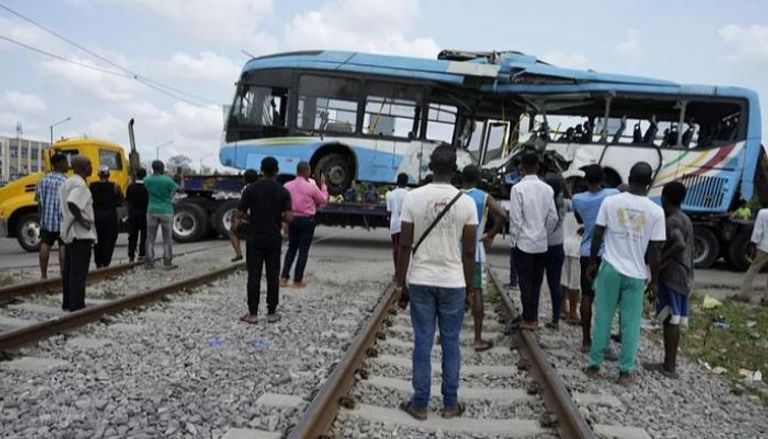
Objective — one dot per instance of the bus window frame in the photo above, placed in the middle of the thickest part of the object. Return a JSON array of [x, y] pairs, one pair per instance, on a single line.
[[420, 105], [675, 98], [295, 129]]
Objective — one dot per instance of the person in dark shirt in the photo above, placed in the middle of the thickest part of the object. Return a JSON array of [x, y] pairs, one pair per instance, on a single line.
[[250, 176], [106, 197], [675, 275], [137, 199], [266, 204]]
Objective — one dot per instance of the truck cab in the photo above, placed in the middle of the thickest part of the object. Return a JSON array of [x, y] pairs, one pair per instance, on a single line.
[[19, 216]]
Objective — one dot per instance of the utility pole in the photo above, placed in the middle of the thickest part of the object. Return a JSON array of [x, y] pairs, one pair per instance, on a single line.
[[157, 148], [68, 118]]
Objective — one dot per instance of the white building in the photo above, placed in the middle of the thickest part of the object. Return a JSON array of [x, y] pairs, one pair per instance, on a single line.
[[19, 156]]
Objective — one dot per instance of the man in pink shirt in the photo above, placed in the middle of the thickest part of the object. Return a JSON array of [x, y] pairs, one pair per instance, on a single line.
[[305, 198]]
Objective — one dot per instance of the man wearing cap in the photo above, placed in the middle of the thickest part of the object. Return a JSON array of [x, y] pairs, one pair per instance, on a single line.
[[106, 197], [47, 197]]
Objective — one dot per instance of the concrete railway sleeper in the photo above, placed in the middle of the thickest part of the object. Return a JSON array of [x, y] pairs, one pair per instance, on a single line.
[[508, 392]]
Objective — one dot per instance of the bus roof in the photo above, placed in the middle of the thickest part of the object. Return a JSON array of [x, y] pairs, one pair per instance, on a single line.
[[500, 72]]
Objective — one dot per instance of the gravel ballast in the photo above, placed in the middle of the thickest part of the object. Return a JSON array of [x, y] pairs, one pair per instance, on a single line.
[[187, 367], [698, 404]]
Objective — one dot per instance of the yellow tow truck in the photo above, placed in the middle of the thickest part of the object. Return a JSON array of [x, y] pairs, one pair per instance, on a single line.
[[19, 216]]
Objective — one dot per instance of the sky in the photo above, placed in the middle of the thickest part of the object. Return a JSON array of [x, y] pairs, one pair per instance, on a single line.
[[195, 47]]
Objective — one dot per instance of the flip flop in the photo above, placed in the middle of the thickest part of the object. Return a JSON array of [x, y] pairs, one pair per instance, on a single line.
[[407, 407], [249, 318], [455, 412], [484, 346]]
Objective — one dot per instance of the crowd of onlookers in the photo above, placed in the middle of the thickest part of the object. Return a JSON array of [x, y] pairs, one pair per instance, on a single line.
[[601, 250]]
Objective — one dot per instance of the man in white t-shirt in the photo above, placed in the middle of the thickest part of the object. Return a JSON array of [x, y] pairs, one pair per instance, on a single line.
[[634, 230], [395, 200], [442, 268]]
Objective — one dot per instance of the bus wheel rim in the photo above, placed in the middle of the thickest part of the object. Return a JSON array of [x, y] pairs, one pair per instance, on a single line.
[[336, 175]]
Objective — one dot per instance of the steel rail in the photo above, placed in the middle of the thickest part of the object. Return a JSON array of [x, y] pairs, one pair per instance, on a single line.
[[54, 283], [32, 333], [44, 286], [322, 410], [571, 424]]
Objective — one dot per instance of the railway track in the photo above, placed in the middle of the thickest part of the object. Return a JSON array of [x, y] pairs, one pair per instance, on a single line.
[[51, 285], [20, 332], [510, 390]]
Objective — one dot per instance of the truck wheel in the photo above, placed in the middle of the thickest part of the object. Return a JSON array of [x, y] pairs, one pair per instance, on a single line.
[[736, 254], [706, 247], [338, 172], [190, 222], [28, 232], [223, 216]]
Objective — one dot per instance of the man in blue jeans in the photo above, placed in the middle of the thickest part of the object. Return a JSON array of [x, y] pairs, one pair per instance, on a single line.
[[442, 269]]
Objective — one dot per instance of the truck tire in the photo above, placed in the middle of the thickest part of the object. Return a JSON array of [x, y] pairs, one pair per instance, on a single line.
[[222, 217], [338, 172], [28, 232], [190, 222], [706, 247], [736, 255]]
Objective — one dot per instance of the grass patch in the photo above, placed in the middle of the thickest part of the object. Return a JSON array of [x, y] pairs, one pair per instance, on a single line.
[[6, 280], [742, 345]]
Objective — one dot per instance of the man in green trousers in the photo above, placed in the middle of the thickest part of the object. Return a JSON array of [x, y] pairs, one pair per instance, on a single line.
[[634, 231]]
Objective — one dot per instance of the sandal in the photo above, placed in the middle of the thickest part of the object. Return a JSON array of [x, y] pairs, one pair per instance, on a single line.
[[454, 412], [419, 415], [249, 318], [483, 346]]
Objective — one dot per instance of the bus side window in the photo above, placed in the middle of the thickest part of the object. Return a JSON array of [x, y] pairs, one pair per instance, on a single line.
[[717, 123], [441, 122], [392, 110], [327, 104]]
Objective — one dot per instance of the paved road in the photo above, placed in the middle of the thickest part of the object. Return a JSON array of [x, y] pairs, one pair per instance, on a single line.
[[331, 241]]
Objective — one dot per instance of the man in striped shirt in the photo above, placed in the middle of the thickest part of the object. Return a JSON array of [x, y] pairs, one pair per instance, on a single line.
[[47, 197]]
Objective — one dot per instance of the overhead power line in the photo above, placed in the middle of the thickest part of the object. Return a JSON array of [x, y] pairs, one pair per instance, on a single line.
[[128, 73], [61, 58]]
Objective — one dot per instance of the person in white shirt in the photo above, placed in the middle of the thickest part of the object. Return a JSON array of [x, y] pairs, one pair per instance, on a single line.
[[394, 205], [77, 232], [570, 281], [760, 239], [532, 218], [634, 229], [441, 271]]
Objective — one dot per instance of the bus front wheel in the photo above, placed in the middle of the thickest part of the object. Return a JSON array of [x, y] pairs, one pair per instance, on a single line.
[[338, 172]]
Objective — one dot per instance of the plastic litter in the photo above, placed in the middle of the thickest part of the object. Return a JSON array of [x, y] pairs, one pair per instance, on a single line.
[[719, 323], [259, 343], [751, 377], [719, 370], [710, 302], [214, 342]]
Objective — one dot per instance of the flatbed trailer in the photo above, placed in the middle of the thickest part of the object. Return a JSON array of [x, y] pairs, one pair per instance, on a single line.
[[208, 203]]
